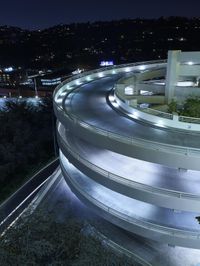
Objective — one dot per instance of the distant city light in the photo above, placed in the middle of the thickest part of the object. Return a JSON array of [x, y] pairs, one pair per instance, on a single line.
[[50, 82], [190, 63], [106, 63], [8, 69]]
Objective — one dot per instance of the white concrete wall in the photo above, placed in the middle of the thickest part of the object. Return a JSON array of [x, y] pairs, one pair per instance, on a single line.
[[181, 64]]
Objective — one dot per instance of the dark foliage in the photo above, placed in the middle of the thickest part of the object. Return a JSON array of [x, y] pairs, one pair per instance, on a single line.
[[40, 240], [190, 108], [26, 140]]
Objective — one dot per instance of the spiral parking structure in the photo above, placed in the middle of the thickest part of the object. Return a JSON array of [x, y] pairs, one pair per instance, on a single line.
[[138, 174]]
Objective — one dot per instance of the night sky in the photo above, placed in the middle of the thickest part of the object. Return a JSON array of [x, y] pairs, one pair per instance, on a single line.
[[38, 14]]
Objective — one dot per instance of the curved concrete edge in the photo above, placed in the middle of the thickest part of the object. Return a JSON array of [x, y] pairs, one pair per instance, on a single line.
[[101, 72], [181, 239], [172, 156], [137, 191], [13, 207], [50, 183], [156, 120], [12, 197]]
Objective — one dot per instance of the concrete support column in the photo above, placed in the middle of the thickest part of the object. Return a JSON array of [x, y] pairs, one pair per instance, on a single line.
[[175, 117], [172, 74]]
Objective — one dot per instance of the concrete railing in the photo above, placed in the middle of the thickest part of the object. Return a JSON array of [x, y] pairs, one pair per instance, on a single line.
[[158, 118], [190, 120], [157, 146], [172, 232], [96, 73], [163, 153], [18, 201], [179, 122], [126, 181]]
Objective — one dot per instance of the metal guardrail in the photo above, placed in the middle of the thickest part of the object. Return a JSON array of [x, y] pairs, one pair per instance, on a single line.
[[188, 119], [17, 202], [126, 181], [177, 122], [155, 112], [173, 232], [146, 109], [161, 114]]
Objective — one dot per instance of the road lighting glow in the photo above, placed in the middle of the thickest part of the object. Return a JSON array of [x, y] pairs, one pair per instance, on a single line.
[[100, 75], [88, 78], [78, 82], [111, 98], [127, 69], [115, 104], [134, 115], [58, 100], [142, 67], [160, 123], [63, 93]]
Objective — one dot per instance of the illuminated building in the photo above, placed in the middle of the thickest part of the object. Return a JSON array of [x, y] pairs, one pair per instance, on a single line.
[[11, 76]]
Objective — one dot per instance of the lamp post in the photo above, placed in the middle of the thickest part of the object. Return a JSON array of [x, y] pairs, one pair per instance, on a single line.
[[35, 85]]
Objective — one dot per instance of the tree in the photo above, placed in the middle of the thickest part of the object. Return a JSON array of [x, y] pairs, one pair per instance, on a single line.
[[26, 140], [172, 107], [38, 239], [191, 107]]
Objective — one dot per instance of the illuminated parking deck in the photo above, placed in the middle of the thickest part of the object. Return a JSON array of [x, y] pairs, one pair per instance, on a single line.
[[94, 136]]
